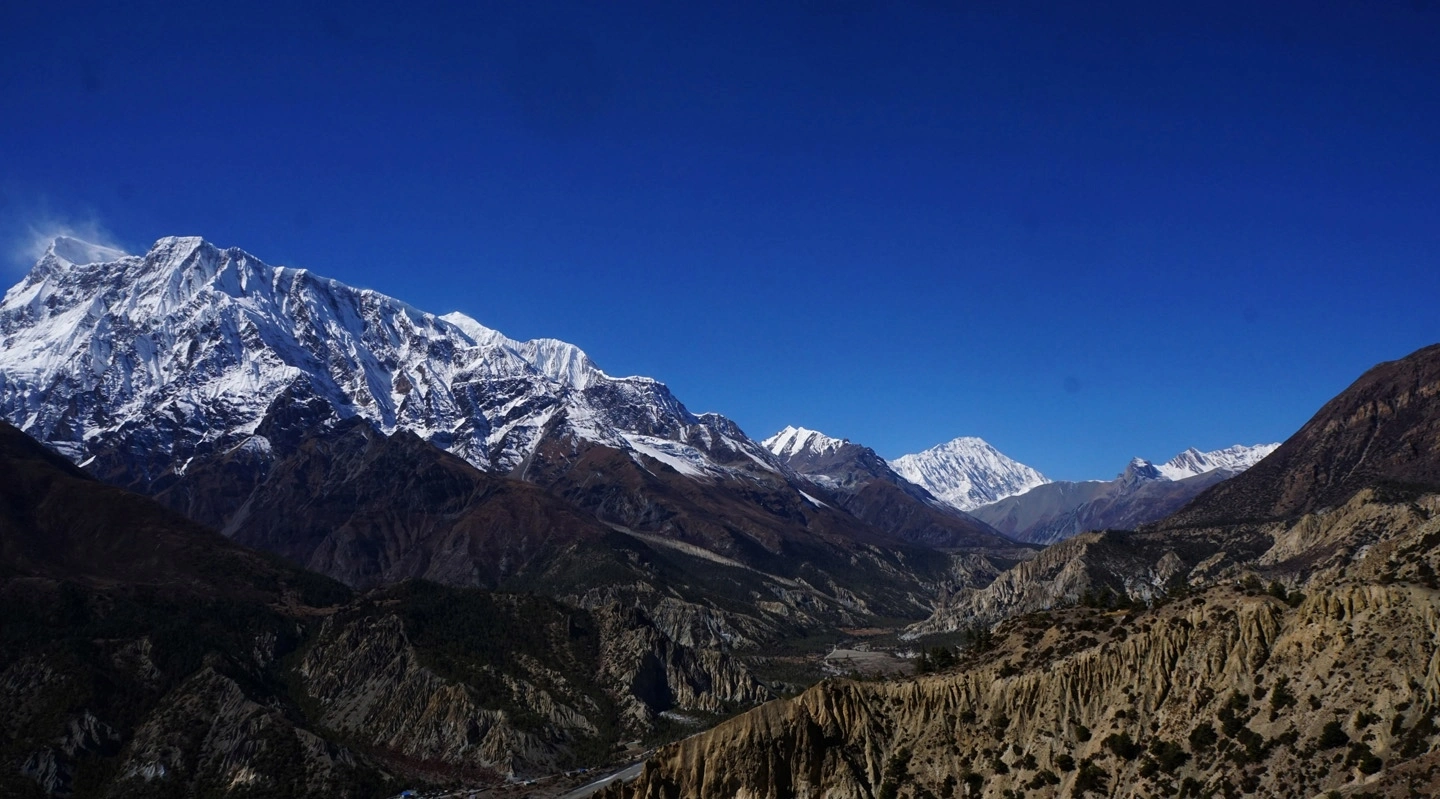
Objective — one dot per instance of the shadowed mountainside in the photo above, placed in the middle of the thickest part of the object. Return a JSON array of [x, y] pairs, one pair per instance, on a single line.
[[1384, 428], [145, 655], [1152, 663]]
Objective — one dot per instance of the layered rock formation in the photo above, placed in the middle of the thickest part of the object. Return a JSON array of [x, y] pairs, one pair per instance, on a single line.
[[1379, 434], [1157, 662], [145, 655], [1220, 694]]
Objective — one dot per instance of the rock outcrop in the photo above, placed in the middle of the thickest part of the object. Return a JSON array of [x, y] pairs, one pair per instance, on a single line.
[[145, 655], [1178, 672], [594, 678], [1220, 693]]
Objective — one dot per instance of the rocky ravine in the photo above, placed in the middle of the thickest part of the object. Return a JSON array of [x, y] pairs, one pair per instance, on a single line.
[[1223, 693], [144, 655], [368, 681]]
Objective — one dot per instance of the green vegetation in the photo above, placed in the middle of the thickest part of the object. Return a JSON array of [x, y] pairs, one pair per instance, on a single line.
[[1280, 697], [937, 658], [1091, 778], [1122, 746], [1108, 599], [1332, 736], [1203, 737], [1168, 754], [1364, 759], [897, 772]]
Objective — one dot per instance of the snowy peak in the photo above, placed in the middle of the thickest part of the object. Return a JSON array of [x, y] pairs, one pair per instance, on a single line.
[[1193, 462], [967, 473], [204, 339], [1139, 471], [75, 251], [794, 441]]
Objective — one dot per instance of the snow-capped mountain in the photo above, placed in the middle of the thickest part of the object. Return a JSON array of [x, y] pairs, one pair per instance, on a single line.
[[1236, 459], [1142, 493], [793, 441], [855, 478], [967, 473], [1139, 471], [183, 350]]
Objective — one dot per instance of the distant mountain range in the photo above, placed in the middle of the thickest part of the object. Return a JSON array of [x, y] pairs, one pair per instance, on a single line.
[[487, 559], [372, 441], [1253, 643], [977, 481], [209, 379], [1142, 493], [971, 475], [862, 483]]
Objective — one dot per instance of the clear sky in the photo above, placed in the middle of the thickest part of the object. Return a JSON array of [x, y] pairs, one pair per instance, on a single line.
[[1081, 231]]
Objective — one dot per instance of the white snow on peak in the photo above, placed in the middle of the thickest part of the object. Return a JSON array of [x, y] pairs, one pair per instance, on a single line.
[[193, 343], [75, 251], [793, 441], [1193, 462], [559, 360], [967, 473]]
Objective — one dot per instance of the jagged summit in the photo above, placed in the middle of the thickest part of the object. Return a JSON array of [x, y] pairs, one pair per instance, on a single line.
[[795, 440], [1142, 493], [967, 473], [189, 344], [1236, 458], [858, 480], [1139, 471]]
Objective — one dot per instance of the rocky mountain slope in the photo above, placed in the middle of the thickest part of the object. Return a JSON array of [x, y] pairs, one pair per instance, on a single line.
[[1238, 520], [150, 360], [279, 406], [859, 481], [1142, 493], [967, 473], [145, 655], [1383, 429], [1154, 662], [1222, 694]]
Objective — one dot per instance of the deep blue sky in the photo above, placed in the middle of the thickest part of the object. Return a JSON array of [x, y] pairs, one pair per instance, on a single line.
[[1082, 231]]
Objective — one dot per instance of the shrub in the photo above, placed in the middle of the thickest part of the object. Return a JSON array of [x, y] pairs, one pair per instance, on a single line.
[[1332, 736], [1091, 778], [1122, 746], [1203, 736], [1280, 697], [1360, 755], [1168, 754]]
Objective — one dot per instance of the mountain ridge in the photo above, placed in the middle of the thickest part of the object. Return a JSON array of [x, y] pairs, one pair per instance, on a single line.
[[215, 382], [1140, 494], [71, 329], [1234, 648], [967, 472]]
